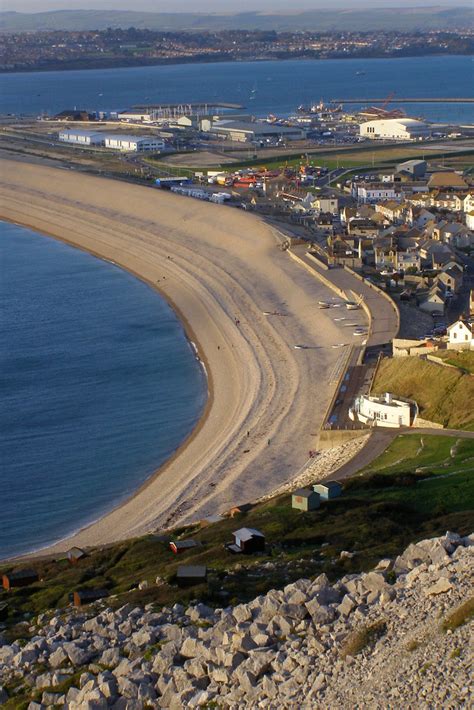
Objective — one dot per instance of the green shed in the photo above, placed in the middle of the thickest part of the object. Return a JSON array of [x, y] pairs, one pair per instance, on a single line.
[[305, 499]]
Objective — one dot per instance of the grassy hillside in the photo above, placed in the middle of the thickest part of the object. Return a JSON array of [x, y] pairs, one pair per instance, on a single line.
[[417, 489], [444, 395]]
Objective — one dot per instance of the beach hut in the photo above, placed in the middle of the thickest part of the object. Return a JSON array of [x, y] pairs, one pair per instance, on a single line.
[[189, 575], [75, 554], [328, 489], [87, 596], [179, 546], [247, 541], [305, 499], [20, 578]]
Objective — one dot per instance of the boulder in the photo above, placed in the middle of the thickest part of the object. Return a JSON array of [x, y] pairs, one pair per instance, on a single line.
[[374, 581], [242, 613], [77, 655], [320, 613], [126, 688], [110, 658], [200, 612], [442, 586], [346, 606], [52, 698], [44, 680], [191, 648], [58, 658]]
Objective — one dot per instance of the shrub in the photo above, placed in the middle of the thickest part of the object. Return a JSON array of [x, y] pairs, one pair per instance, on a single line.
[[362, 637], [459, 616]]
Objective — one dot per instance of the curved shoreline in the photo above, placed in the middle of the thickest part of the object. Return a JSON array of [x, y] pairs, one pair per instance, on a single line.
[[199, 354], [257, 384]]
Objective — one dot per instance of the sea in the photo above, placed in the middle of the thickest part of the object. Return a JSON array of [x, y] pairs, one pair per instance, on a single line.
[[264, 87], [99, 384]]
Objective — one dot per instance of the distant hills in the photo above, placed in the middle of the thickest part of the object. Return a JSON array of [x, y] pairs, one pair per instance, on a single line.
[[439, 17]]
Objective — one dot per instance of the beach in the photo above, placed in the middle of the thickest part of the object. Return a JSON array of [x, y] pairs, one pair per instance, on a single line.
[[221, 270]]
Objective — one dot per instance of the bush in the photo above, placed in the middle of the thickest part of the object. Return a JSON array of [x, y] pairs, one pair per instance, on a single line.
[[362, 637], [459, 616]]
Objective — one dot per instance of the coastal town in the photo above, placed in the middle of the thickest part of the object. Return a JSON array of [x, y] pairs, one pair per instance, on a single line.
[[402, 227], [304, 542], [48, 50]]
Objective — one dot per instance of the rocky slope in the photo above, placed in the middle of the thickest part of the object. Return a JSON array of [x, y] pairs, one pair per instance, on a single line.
[[395, 637]]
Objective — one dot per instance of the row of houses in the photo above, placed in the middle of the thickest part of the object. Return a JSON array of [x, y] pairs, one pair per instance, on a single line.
[[437, 188]]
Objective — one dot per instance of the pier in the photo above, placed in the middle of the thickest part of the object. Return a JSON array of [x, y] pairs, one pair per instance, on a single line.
[[452, 100], [203, 105]]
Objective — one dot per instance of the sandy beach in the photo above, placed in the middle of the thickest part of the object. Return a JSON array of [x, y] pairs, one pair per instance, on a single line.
[[215, 265]]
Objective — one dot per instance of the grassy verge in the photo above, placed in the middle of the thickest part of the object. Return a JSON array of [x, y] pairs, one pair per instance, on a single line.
[[375, 517], [464, 360], [443, 395]]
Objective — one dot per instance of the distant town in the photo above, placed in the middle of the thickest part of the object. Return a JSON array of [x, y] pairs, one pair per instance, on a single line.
[[53, 50]]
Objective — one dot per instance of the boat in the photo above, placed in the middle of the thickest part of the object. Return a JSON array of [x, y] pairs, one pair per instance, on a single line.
[[360, 73]]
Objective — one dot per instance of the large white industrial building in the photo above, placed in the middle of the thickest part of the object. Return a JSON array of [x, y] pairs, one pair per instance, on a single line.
[[130, 143], [406, 129], [81, 137]]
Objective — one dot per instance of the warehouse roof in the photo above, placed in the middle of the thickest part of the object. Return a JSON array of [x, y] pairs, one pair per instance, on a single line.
[[83, 134], [130, 137], [248, 127]]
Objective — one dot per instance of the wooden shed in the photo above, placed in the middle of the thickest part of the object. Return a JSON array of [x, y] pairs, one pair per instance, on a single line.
[[189, 575], [87, 596], [247, 540], [20, 578], [328, 489], [305, 499], [75, 554]]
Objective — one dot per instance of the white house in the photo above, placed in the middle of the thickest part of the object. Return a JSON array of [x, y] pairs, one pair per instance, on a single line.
[[137, 144], [405, 129], [461, 336], [470, 220], [81, 138], [369, 192], [325, 204], [468, 205], [383, 410]]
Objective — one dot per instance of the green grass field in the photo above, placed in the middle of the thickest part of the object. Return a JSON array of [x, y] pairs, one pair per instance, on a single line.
[[426, 473], [351, 157], [444, 395]]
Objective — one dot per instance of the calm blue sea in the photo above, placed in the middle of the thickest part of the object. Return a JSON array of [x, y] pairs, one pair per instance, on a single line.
[[277, 87], [99, 385]]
